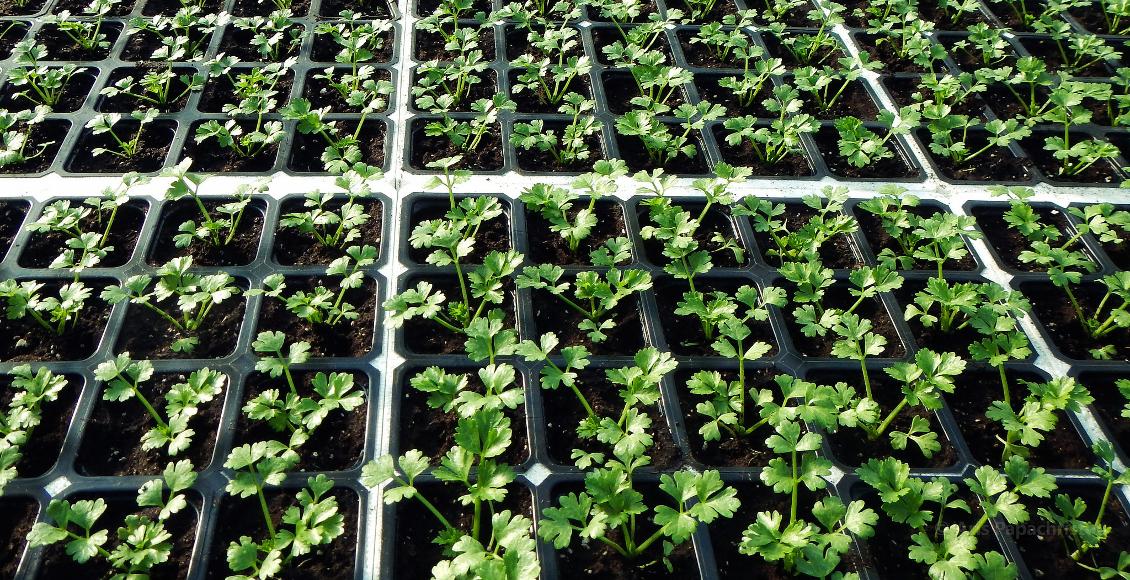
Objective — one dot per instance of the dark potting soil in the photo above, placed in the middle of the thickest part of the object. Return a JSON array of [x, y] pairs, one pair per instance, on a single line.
[[888, 55], [837, 296], [73, 96], [1007, 105], [111, 441], [971, 59], [325, 49], [237, 42], [1043, 545], [306, 153], [56, 563], [720, 9], [1053, 309], [744, 155], [321, 94], [710, 91], [854, 101], [726, 533], [996, 164], [28, 341], [604, 36], [879, 239], [729, 451], [414, 552], [347, 338], [684, 333], [518, 43], [620, 88], [934, 338], [430, 46], [824, 55], [837, 253], [853, 448], [635, 156], [426, 7], [170, 7], [699, 54], [599, 560], [432, 431], [146, 334], [1109, 404], [13, 7], [210, 157], [152, 151], [904, 88], [486, 88], [563, 412], [543, 161], [1008, 242], [12, 214], [61, 47], [335, 561], [715, 222], [293, 248], [335, 445], [42, 454], [493, 235], [487, 156], [427, 337], [536, 102], [1047, 51], [370, 8], [50, 132], [1061, 448], [253, 8], [625, 338], [239, 252], [10, 37], [17, 515], [547, 246], [140, 47], [1102, 171], [129, 104], [42, 248], [827, 140], [888, 550], [220, 91], [1118, 253], [944, 20]]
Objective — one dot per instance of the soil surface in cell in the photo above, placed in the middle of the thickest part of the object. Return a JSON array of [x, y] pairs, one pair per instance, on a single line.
[[47, 438], [548, 246], [293, 248], [422, 336], [346, 338], [145, 334], [492, 235], [42, 248], [684, 333], [237, 252], [29, 341], [111, 439]]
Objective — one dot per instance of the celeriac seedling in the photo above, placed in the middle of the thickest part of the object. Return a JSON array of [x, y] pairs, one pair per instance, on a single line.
[[321, 305], [87, 33], [314, 521], [596, 297], [555, 203], [551, 78], [16, 131], [183, 36], [272, 36], [661, 144], [782, 138], [217, 231], [24, 414], [792, 243], [1038, 414], [571, 146], [45, 84], [451, 392], [143, 542], [256, 96], [938, 238], [508, 548], [54, 314], [827, 84], [195, 297], [951, 551], [294, 413], [155, 87], [336, 228], [467, 135], [125, 148], [812, 280], [861, 147]]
